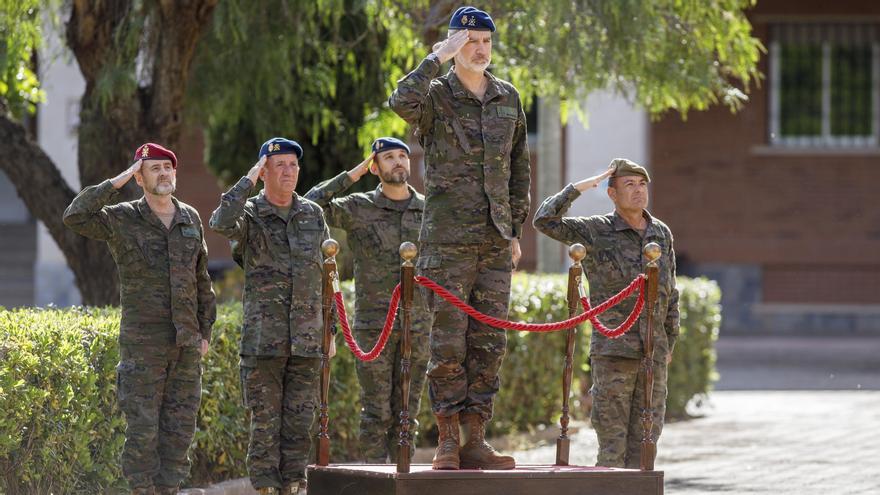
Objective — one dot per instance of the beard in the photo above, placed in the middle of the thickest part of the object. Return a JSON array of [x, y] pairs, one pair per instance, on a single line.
[[162, 188], [394, 176], [475, 66]]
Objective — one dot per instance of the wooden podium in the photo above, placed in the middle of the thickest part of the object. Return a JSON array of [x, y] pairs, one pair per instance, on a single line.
[[376, 479], [419, 479]]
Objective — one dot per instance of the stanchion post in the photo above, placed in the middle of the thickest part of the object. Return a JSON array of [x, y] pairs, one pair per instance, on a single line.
[[563, 444], [329, 283], [649, 448], [408, 252]]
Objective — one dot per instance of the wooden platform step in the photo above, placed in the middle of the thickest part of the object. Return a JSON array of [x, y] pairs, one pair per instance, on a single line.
[[375, 479]]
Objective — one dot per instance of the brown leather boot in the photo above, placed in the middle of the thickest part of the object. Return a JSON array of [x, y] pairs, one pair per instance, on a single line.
[[476, 453], [446, 456]]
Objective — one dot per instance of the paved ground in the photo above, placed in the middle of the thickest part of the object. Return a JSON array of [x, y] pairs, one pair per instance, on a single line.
[[799, 363], [792, 442], [791, 415]]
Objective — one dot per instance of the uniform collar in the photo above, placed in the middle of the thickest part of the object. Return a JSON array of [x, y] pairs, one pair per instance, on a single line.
[[382, 201], [265, 208], [181, 215], [493, 90], [620, 224]]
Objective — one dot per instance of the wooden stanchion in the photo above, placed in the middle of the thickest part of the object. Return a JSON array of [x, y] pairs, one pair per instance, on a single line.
[[329, 283], [649, 447], [563, 443], [408, 252]]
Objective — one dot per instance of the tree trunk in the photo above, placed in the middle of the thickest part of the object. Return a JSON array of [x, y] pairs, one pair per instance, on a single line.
[[113, 120], [46, 194]]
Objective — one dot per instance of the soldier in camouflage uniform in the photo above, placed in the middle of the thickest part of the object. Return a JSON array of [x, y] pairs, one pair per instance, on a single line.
[[473, 129], [276, 238], [376, 223], [614, 258], [167, 312]]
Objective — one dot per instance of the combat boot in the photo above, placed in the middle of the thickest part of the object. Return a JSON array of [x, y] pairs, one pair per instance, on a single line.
[[446, 456], [476, 453]]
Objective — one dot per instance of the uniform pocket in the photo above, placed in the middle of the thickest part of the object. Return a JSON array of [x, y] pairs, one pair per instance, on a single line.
[[247, 367], [129, 255]]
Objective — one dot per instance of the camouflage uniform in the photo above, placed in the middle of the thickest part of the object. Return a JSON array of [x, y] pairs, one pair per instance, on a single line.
[[614, 259], [477, 197], [376, 226], [167, 309], [281, 333]]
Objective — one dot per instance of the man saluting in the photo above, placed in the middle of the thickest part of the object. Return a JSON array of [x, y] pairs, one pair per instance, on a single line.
[[473, 129]]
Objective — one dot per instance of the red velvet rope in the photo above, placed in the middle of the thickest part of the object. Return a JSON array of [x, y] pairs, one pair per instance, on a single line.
[[613, 333], [589, 314], [383, 337]]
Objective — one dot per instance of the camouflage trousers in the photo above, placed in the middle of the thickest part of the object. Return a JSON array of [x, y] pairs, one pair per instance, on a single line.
[[281, 394], [381, 398], [466, 355], [618, 394], [158, 389]]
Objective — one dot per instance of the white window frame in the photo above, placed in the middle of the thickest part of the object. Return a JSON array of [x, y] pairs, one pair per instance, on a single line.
[[825, 139]]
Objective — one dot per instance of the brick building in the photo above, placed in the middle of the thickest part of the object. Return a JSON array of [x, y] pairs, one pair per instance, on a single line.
[[779, 202]]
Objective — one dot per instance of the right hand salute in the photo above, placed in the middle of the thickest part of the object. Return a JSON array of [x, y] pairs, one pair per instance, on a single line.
[[362, 168], [594, 181], [254, 173], [448, 48], [121, 179]]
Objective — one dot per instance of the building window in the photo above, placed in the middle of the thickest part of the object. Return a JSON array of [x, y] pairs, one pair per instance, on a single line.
[[825, 85]]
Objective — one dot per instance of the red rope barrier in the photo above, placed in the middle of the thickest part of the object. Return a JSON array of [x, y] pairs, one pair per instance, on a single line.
[[613, 333], [383, 337], [589, 314]]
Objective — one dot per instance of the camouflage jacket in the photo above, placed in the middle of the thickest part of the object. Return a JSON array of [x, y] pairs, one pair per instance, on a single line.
[[614, 259], [164, 287], [375, 228], [282, 263], [476, 154]]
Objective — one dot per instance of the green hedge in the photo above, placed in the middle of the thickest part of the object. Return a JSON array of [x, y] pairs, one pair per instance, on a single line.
[[61, 432]]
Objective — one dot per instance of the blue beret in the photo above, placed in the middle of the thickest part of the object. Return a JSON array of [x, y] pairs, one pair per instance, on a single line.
[[389, 143], [278, 146], [471, 18]]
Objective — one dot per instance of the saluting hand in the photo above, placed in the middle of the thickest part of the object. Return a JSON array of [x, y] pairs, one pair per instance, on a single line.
[[448, 48], [362, 168], [594, 180], [121, 179], [254, 173]]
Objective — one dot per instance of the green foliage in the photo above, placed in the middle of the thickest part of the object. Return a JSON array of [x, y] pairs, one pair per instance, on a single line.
[[662, 54], [321, 72], [692, 371], [61, 432], [20, 36], [313, 71]]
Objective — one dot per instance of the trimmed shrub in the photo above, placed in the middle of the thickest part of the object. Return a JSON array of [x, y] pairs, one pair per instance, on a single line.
[[61, 432], [692, 371]]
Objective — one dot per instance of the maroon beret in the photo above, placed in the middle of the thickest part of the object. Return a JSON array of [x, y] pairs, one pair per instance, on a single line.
[[153, 151]]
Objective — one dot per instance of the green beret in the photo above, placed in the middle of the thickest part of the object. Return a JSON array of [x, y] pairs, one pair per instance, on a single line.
[[624, 168]]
